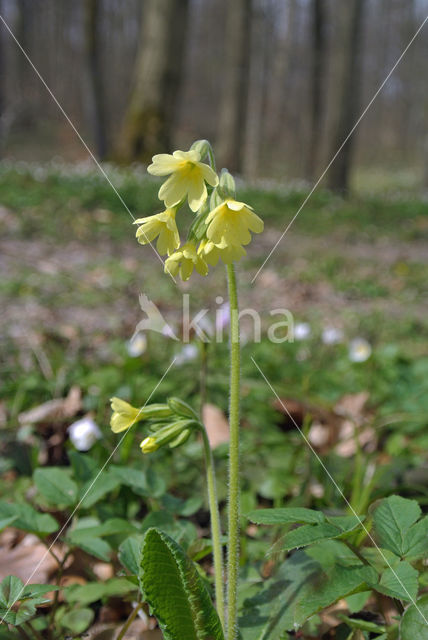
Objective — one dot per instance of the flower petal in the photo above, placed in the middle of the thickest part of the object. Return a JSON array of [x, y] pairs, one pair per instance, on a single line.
[[163, 164], [173, 190]]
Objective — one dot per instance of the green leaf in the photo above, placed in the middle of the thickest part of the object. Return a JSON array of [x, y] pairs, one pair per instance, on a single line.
[[401, 582], [5, 522], [363, 625], [28, 519], [176, 594], [417, 540], [414, 623], [300, 589], [84, 467], [307, 534], [130, 554], [56, 486], [357, 601], [16, 605], [94, 591], [286, 516], [98, 487], [392, 519], [346, 523], [96, 547], [78, 621], [112, 526]]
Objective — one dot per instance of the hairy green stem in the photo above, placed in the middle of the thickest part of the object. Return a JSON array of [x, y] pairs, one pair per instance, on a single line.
[[233, 511], [215, 527]]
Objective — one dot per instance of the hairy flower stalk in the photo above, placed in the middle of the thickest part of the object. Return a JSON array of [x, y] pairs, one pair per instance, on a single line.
[[233, 512]]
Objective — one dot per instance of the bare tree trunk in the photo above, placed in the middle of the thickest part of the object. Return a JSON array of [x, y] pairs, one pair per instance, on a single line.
[[317, 78], [2, 86], [281, 75], [256, 93], [150, 118], [340, 171], [93, 93], [235, 72]]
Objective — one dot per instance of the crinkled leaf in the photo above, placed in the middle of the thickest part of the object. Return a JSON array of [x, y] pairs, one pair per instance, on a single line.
[[176, 594], [56, 486], [414, 623], [286, 516]]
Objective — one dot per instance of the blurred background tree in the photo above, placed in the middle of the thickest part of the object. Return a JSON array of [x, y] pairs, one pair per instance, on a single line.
[[278, 83]]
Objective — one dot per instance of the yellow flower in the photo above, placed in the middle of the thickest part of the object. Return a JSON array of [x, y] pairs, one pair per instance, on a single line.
[[230, 223], [184, 261], [188, 177], [163, 226], [212, 253], [148, 445], [124, 415]]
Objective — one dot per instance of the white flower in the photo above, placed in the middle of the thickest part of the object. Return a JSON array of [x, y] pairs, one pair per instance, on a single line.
[[359, 350], [332, 335], [189, 352], [84, 433], [137, 345], [302, 330]]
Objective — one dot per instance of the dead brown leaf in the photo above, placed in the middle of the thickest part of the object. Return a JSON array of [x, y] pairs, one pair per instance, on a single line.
[[29, 560], [57, 409], [216, 425]]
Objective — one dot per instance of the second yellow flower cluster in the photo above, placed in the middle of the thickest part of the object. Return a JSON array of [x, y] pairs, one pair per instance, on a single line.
[[225, 228]]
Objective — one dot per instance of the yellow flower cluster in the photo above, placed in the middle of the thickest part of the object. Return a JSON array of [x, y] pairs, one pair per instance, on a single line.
[[171, 424], [225, 228]]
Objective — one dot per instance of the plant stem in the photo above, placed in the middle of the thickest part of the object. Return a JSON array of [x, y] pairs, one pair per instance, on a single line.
[[233, 512], [215, 527], [129, 621]]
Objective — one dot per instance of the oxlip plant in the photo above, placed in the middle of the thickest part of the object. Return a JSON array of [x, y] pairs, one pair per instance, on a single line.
[[221, 228]]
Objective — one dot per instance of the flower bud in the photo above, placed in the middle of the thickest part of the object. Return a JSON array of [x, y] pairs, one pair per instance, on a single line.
[[149, 445], [169, 434], [201, 146], [227, 187], [181, 408]]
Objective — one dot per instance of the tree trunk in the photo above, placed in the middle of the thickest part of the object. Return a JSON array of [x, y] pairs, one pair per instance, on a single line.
[[281, 76], [93, 93], [150, 117], [2, 86], [256, 93], [339, 174], [234, 72], [317, 81]]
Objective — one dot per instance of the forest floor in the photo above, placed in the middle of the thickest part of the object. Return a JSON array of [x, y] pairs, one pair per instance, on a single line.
[[72, 272]]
